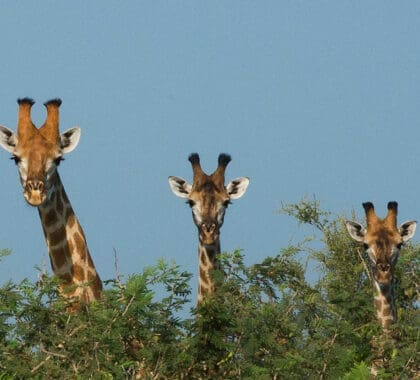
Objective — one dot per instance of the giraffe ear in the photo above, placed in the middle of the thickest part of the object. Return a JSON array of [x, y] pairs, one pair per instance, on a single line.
[[407, 230], [179, 186], [69, 139], [8, 139], [356, 231], [237, 187]]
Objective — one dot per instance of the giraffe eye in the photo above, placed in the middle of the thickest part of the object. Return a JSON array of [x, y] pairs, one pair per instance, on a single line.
[[191, 202], [57, 160], [227, 203], [16, 159], [399, 245], [365, 246]]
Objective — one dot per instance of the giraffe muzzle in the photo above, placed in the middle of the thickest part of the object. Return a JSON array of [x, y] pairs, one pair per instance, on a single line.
[[209, 233], [34, 192], [383, 273], [384, 267]]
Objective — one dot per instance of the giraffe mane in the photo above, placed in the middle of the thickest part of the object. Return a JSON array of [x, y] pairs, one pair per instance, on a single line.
[[194, 158], [224, 159], [53, 102], [26, 100], [391, 218]]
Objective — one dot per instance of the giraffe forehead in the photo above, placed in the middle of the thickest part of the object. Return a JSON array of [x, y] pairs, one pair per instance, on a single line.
[[383, 236], [37, 147], [209, 205], [209, 192], [383, 243], [36, 155]]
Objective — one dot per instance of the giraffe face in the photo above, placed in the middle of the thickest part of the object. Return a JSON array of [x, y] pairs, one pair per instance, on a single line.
[[208, 198], [36, 160], [382, 241], [37, 153], [383, 248], [208, 205]]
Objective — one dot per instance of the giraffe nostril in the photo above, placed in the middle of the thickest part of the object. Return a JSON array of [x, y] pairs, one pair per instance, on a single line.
[[34, 185], [208, 227], [384, 267]]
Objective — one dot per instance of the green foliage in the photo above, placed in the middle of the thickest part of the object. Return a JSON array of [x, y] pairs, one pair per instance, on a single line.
[[4, 253], [266, 321], [359, 372]]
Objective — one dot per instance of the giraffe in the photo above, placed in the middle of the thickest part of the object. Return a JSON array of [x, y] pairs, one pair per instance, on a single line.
[[208, 198], [382, 240], [37, 152]]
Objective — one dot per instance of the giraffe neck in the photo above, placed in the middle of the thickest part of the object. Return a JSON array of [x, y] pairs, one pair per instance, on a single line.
[[386, 314], [67, 247], [207, 255], [384, 304]]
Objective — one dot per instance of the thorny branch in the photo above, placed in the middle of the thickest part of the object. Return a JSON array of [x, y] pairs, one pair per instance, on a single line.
[[331, 344]]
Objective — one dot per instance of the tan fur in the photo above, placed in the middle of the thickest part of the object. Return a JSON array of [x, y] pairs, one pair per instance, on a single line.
[[68, 250], [69, 255]]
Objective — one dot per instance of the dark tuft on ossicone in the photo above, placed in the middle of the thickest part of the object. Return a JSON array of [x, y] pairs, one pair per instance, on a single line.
[[224, 159], [194, 158], [368, 206], [53, 102], [29, 101], [392, 205]]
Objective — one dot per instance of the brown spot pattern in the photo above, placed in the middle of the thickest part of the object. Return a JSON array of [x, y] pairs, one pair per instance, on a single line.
[[71, 219], [79, 241], [203, 259], [70, 245], [57, 236], [78, 272], [90, 262], [59, 256], [66, 278], [386, 311], [59, 204], [204, 277], [50, 218]]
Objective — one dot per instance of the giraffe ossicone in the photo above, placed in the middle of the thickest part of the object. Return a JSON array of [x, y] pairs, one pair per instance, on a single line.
[[37, 152], [208, 197]]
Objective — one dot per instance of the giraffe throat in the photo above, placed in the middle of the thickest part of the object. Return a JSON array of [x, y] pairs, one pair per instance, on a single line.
[[208, 262], [384, 304], [69, 255]]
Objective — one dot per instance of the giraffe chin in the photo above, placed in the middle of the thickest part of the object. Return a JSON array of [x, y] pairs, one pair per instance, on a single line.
[[383, 281], [35, 198], [206, 241]]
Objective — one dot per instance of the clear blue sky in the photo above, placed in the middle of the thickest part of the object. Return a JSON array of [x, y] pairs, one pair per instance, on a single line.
[[309, 98]]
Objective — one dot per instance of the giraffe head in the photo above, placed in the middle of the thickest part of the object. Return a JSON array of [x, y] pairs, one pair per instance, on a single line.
[[382, 240], [38, 151], [208, 196]]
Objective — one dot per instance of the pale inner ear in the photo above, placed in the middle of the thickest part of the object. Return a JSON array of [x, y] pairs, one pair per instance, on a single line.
[[356, 231], [407, 230], [8, 139], [179, 186], [69, 139], [237, 187]]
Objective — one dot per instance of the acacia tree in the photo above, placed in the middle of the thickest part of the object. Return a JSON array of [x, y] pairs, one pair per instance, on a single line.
[[266, 320], [346, 287]]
